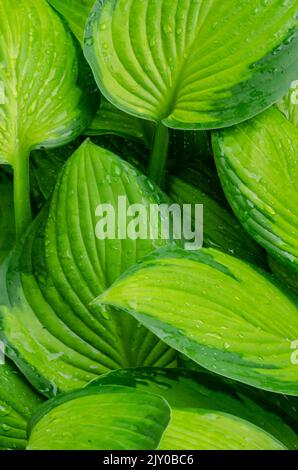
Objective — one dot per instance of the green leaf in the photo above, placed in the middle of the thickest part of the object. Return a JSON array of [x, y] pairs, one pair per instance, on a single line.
[[289, 104], [211, 430], [189, 146], [76, 13], [43, 104], [55, 336], [201, 173], [289, 107], [289, 278], [217, 310], [177, 61], [182, 388], [110, 120], [53, 111], [258, 167], [17, 403], [109, 418], [7, 225], [283, 406], [46, 165], [221, 228]]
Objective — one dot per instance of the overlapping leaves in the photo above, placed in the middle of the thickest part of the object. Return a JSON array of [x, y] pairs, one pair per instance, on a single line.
[[42, 103], [156, 408], [76, 13], [221, 229], [201, 390], [258, 166], [219, 311], [129, 419], [57, 339], [174, 62], [17, 403]]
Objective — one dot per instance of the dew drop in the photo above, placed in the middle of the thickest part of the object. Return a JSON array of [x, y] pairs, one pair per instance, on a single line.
[[4, 409], [5, 427], [89, 41]]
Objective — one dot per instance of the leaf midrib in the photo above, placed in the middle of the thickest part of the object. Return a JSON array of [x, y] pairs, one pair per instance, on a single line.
[[177, 80]]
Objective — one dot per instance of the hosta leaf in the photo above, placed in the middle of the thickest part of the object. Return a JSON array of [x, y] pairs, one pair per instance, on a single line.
[[289, 104], [216, 309], [7, 225], [57, 339], [201, 173], [43, 104], [289, 278], [191, 389], [184, 146], [212, 430], [221, 229], [283, 406], [110, 120], [75, 12], [289, 107], [258, 166], [17, 403], [177, 61], [110, 418], [46, 165]]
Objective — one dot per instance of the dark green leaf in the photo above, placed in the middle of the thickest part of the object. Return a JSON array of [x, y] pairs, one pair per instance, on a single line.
[[17, 403]]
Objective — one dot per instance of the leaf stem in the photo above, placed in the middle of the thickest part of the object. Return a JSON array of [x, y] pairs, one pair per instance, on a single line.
[[159, 155], [22, 203]]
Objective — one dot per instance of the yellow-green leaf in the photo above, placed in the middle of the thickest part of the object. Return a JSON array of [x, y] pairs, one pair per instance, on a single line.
[[223, 313]]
